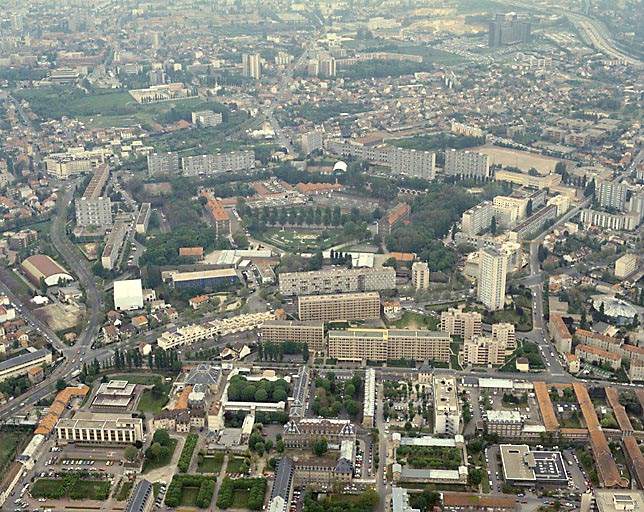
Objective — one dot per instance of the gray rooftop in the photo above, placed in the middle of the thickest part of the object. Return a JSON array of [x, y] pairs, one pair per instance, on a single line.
[[142, 493], [283, 479], [24, 358]]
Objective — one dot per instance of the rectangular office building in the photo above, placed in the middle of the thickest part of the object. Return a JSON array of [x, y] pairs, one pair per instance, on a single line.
[[88, 428], [342, 306]]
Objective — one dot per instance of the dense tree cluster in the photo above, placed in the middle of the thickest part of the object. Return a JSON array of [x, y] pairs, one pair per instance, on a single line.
[[332, 394], [268, 351], [159, 450], [366, 502], [242, 390]]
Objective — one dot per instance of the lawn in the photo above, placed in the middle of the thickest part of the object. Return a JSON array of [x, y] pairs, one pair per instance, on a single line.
[[150, 465], [146, 380], [151, 403], [234, 464], [12, 442], [211, 464], [95, 490], [189, 496], [417, 321], [303, 240], [125, 489], [240, 498]]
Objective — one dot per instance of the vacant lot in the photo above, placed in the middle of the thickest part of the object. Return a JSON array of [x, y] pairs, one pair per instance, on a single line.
[[151, 402], [234, 464], [211, 464], [95, 490], [13, 441], [521, 159]]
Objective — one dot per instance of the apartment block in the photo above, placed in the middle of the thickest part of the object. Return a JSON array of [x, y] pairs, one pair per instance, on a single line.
[[626, 265], [483, 351], [534, 223], [505, 424], [20, 365], [457, 322], [508, 29], [207, 118], [466, 164], [281, 331], [612, 194], [392, 344], [343, 306], [337, 280], [613, 221], [92, 209], [110, 254], [597, 355], [560, 334], [370, 392], [163, 163], [447, 414], [200, 165], [143, 218], [411, 162], [396, 217], [477, 219], [505, 333], [312, 141], [420, 274], [492, 278], [90, 428]]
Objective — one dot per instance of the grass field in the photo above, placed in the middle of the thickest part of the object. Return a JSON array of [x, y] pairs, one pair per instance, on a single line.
[[240, 498], [12, 442], [234, 463], [94, 490], [302, 240], [211, 464], [416, 321], [146, 380], [149, 465], [124, 491], [189, 496], [151, 403]]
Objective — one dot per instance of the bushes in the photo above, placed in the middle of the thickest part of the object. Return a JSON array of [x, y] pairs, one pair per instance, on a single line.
[[255, 486], [242, 390], [186, 453], [205, 484]]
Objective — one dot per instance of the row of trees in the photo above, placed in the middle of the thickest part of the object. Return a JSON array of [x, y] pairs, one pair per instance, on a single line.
[[269, 351], [132, 358], [186, 452], [205, 484], [255, 486]]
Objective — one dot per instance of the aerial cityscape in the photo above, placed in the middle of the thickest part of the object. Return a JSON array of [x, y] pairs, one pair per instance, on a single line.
[[322, 256]]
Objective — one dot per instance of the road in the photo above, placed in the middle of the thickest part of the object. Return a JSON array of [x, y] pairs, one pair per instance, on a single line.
[[94, 307]]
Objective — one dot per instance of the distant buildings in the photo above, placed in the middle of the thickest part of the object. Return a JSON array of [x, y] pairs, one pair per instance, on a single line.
[[207, 118], [340, 280], [312, 141], [492, 278], [251, 66], [507, 29]]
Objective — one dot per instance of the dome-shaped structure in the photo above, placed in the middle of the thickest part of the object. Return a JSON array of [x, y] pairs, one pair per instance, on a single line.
[[616, 308], [340, 166]]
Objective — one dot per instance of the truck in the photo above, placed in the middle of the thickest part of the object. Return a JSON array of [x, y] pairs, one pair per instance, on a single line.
[[75, 373]]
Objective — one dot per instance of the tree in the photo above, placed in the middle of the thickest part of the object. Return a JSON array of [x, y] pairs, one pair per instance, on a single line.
[[493, 225], [475, 476], [162, 437], [528, 208], [60, 385], [280, 446], [130, 453], [321, 447]]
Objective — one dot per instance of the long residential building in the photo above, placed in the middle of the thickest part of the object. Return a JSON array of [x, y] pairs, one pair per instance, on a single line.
[[533, 223], [281, 331], [466, 164], [337, 280], [109, 258], [92, 208], [597, 355], [370, 392], [305, 432], [143, 218], [88, 428], [341, 306], [614, 221], [20, 365], [389, 344], [447, 413], [477, 219], [221, 162], [163, 163], [465, 324], [218, 278]]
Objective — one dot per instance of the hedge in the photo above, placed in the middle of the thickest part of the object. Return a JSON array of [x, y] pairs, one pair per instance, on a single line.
[[205, 484], [186, 452], [256, 486]]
